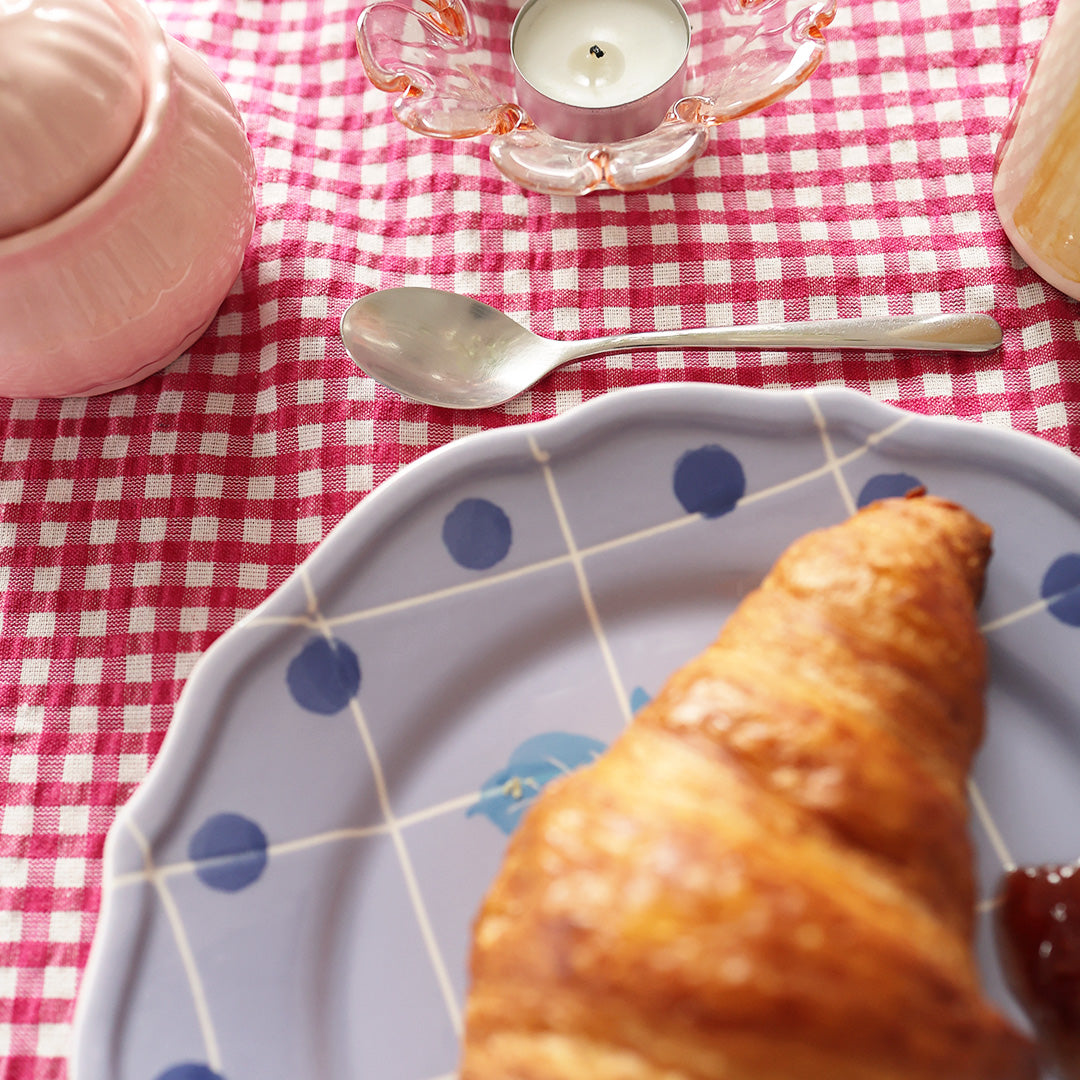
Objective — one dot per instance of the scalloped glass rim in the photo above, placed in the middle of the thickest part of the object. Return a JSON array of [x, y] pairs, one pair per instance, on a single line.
[[448, 63]]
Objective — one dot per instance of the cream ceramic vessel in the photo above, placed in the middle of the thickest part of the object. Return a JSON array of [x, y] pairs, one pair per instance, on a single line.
[[125, 261], [1037, 166]]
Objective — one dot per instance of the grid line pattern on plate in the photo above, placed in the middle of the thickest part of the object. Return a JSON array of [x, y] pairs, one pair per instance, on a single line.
[[392, 826]]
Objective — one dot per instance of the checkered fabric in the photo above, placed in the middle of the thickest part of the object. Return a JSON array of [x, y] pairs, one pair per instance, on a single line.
[[136, 527]]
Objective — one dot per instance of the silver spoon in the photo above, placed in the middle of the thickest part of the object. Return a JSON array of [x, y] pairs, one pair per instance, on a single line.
[[445, 349]]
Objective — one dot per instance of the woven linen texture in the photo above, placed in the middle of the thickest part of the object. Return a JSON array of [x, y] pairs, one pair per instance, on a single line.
[[136, 527]]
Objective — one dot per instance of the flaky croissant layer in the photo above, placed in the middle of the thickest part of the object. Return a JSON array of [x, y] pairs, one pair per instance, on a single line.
[[768, 874]]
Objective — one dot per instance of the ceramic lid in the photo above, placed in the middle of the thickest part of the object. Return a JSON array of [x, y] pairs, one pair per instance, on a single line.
[[71, 99]]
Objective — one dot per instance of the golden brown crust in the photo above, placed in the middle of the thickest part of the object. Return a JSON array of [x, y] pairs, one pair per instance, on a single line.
[[768, 874]]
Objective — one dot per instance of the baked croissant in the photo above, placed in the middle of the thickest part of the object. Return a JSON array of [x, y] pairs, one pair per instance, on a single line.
[[768, 875]]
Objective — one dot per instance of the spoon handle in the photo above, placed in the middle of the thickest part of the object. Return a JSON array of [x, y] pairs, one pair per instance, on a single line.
[[962, 333]]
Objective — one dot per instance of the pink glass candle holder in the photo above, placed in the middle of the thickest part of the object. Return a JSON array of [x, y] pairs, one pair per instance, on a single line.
[[450, 66]]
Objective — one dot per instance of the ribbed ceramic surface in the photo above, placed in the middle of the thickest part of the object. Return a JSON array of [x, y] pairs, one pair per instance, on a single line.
[[131, 275], [71, 98]]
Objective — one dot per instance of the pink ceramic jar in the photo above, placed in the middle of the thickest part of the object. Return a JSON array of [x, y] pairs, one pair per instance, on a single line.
[[1037, 171], [131, 199]]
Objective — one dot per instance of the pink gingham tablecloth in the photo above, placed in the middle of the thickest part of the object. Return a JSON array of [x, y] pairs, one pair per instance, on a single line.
[[136, 527]]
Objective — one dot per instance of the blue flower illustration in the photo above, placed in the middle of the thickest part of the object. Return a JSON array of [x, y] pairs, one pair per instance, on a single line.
[[533, 765]]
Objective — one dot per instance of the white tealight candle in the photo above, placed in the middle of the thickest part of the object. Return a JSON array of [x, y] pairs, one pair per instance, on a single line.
[[599, 69]]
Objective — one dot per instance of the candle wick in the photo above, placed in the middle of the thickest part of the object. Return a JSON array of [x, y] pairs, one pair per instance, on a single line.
[[596, 51]]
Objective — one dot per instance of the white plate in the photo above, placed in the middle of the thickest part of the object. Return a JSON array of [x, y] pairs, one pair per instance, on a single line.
[[289, 894]]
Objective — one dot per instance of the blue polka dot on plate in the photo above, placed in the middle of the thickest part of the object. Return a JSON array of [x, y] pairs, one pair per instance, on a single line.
[[1061, 586], [709, 481], [323, 676], [477, 534], [189, 1071], [229, 852], [887, 486]]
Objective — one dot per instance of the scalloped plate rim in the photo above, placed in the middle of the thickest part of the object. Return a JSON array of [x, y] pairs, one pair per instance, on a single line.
[[1053, 463]]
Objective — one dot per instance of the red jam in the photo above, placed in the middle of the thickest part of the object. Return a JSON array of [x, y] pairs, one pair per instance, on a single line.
[[1039, 928]]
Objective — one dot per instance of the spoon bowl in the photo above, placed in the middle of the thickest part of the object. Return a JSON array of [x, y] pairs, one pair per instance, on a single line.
[[441, 348]]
